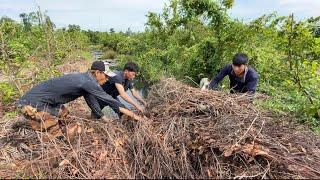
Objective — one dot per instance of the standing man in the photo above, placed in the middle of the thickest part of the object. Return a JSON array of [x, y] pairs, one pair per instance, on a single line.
[[121, 82], [44, 102], [243, 79]]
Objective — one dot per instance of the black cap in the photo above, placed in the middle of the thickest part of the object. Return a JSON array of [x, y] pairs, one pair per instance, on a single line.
[[98, 65]]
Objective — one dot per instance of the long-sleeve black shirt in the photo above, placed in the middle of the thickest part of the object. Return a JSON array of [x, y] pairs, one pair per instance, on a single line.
[[247, 83], [110, 88], [57, 91]]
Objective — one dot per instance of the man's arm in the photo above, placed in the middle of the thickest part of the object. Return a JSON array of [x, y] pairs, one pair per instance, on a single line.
[[252, 85], [136, 94], [126, 97], [216, 80], [97, 91], [130, 114]]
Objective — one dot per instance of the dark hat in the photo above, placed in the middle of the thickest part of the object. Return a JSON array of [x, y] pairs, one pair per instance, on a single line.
[[100, 66], [240, 59]]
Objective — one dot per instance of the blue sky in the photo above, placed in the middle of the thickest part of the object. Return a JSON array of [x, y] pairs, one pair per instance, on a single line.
[[122, 14]]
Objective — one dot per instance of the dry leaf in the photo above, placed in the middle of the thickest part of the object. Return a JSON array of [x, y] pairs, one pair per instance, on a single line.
[[209, 173], [71, 130], [255, 149], [119, 143], [229, 151], [79, 129], [98, 173], [13, 166], [95, 141], [65, 161], [303, 149], [90, 130], [103, 155], [75, 171]]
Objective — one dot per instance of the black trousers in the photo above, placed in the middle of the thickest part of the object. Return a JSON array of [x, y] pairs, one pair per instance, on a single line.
[[97, 105]]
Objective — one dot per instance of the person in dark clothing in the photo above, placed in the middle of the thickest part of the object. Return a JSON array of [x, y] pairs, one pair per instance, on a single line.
[[243, 79], [47, 98], [122, 81]]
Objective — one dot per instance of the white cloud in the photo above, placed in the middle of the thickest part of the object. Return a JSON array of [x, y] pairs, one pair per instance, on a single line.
[[102, 15], [93, 14], [96, 5], [307, 7], [250, 9], [121, 14]]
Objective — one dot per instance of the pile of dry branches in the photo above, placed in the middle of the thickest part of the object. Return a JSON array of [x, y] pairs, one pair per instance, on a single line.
[[226, 136], [189, 134]]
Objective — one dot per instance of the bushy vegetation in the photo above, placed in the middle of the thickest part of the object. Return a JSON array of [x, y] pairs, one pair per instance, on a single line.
[[32, 49], [190, 39], [109, 54]]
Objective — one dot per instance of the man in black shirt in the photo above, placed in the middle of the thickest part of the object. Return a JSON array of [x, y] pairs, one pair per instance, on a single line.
[[121, 81], [243, 78], [46, 100]]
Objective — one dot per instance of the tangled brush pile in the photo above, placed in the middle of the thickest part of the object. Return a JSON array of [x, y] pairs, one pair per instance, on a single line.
[[189, 134]]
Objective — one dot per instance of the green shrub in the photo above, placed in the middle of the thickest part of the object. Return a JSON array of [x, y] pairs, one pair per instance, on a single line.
[[7, 92], [109, 54]]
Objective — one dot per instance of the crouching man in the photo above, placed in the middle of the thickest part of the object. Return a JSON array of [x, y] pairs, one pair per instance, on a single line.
[[122, 81], [44, 102], [243, 78]]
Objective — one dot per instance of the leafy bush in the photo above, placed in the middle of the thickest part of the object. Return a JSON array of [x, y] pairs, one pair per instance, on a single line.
[[109, 54], [7, 92], [196, 38]]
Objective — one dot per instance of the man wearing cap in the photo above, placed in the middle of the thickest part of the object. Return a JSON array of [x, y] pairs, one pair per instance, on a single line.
[[121, 81], [243, 79], [45, 101]]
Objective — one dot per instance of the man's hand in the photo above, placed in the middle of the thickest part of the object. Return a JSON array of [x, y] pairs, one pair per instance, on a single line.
[[105, 119], [250, 96], [138, 97], [144, 103], [130, 114], [137, 117], [127, 98], [140, 109], [218, 88]]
